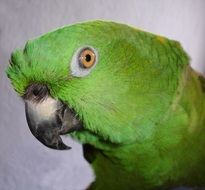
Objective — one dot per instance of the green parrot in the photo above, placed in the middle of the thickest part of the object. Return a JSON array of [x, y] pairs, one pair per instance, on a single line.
[[129, 96]]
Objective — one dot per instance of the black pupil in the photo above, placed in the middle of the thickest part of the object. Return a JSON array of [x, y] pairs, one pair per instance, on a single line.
[[87, 57]]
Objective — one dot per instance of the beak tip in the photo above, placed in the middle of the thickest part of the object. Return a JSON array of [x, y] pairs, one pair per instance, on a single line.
[[51, 139], [57, 146], [62, 146]]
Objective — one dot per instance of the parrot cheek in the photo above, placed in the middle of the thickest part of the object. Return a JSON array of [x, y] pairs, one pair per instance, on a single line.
[[48, 118]]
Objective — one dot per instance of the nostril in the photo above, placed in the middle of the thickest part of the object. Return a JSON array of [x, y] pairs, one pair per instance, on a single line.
[[36, 92]]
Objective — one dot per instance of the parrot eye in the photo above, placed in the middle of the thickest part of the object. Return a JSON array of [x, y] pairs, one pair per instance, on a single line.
[[84, 60], [87, 58]]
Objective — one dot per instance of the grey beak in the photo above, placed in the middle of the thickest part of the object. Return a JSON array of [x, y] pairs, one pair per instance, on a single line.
[[50, 118]]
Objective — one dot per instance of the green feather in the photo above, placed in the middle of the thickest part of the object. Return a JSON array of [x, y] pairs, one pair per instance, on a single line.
[[143, 106]]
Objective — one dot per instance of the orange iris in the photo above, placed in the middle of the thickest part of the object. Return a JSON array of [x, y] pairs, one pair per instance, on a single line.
[[87, 58]]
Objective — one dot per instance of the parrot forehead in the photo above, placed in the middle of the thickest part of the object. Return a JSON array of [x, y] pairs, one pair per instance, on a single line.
[[64, 41], [83, 30], [95, 32]]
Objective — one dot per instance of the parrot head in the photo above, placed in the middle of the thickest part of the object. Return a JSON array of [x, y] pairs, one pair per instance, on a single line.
[[104, 83]]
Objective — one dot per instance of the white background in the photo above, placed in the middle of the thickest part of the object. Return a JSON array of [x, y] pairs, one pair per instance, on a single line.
[[24, 162]]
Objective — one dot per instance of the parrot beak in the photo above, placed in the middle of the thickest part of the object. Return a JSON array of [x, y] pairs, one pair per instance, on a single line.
[[48, 118]]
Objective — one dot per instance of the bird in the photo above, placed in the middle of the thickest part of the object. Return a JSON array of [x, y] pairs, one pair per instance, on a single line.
[[130, 97]]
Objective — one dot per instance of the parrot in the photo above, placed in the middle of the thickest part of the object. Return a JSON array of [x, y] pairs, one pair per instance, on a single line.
[[129, 96]]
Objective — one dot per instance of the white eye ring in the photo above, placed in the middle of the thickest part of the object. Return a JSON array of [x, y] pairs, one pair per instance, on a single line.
[[76, 67]]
